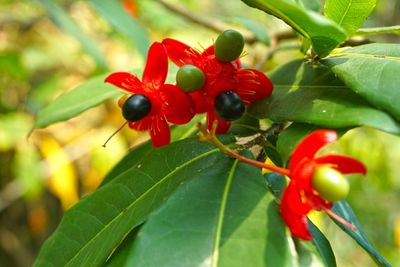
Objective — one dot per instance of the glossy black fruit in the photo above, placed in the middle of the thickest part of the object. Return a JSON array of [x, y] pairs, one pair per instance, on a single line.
[[229, 106], [136, 107], [229, 45], [190, 78]]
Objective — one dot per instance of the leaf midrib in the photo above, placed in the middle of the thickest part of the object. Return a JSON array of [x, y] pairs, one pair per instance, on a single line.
[[374, 56], [217, 237], [125, 210], [350, 2]]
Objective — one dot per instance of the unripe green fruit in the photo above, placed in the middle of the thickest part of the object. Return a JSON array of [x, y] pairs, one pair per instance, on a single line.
[[190, 78], [229, 45], [330, 184], [229, 106]]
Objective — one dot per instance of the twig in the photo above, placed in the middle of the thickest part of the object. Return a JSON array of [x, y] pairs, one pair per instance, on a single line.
[[212, 24]]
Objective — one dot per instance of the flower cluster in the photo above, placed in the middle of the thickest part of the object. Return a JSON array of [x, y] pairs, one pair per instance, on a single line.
[[303, 194], [207, 82]]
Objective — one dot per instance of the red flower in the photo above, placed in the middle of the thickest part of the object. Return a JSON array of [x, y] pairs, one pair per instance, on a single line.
[[168, 102], [250, 84], [300, 198]]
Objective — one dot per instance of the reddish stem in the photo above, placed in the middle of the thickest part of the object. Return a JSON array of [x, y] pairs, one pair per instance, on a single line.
[[280, 170], [340, 219]]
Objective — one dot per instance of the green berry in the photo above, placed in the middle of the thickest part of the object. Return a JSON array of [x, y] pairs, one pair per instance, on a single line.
[[136, 107], [190, 78], [330, 184], [229, 106], [229, 45]]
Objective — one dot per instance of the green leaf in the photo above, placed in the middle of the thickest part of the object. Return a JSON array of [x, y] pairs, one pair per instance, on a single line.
[[378, 30], [322, 245], [324, 34], [311, 94], [344, 210], [256, 28], [62, 20], [371, 70], [91, 230], [121, 253], [314, 5], [245, 126], [350, 14], [124, 23], [223, 216], [85, 96]]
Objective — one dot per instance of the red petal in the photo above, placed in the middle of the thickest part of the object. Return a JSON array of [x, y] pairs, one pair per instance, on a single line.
[[294, 200], [253, 85], [297, 223], [142, 125], [343, 164], [180, 53], [178, 107], [199, 98], [302, 174], [126, 81], [208, 52], [159, 132], [223, 126], [156, 68], [310, 145]]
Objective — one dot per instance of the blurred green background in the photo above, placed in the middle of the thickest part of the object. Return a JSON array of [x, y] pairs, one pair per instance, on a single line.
[[50, 47]]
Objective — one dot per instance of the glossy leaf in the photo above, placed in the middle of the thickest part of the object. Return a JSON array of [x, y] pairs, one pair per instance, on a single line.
[[372, 71], [65, 23], [324, 34], [85, 96], [124, 23], [138, 153], [223, 216], [344, 210], [350, 14], [91, 230], [322, 245], [245, 126], [311, 94]]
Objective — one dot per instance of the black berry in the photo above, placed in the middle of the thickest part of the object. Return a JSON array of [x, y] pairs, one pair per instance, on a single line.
[[229, 106], [136, 107]]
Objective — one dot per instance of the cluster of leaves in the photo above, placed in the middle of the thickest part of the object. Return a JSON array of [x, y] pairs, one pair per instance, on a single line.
[[187, 204]]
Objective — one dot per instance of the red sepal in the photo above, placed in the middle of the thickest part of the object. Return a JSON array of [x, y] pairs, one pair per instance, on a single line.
[[253, 85], [310, 145], [125, 81], [297, 222], [178, 106], [180, 53], [223, 126], [343, 164], [159, 132], [156, 69]]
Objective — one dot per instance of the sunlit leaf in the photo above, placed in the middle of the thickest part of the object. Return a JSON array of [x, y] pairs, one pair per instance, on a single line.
[[344, 210], [324, 34], [312, 94], [350, 14], [91, 230], [63, 20], [227, 216], [124, 23], [85, 96], [372, 71]]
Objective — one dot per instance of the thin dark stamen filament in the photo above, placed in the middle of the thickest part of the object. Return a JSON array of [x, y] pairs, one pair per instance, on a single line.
[[119, 129]]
